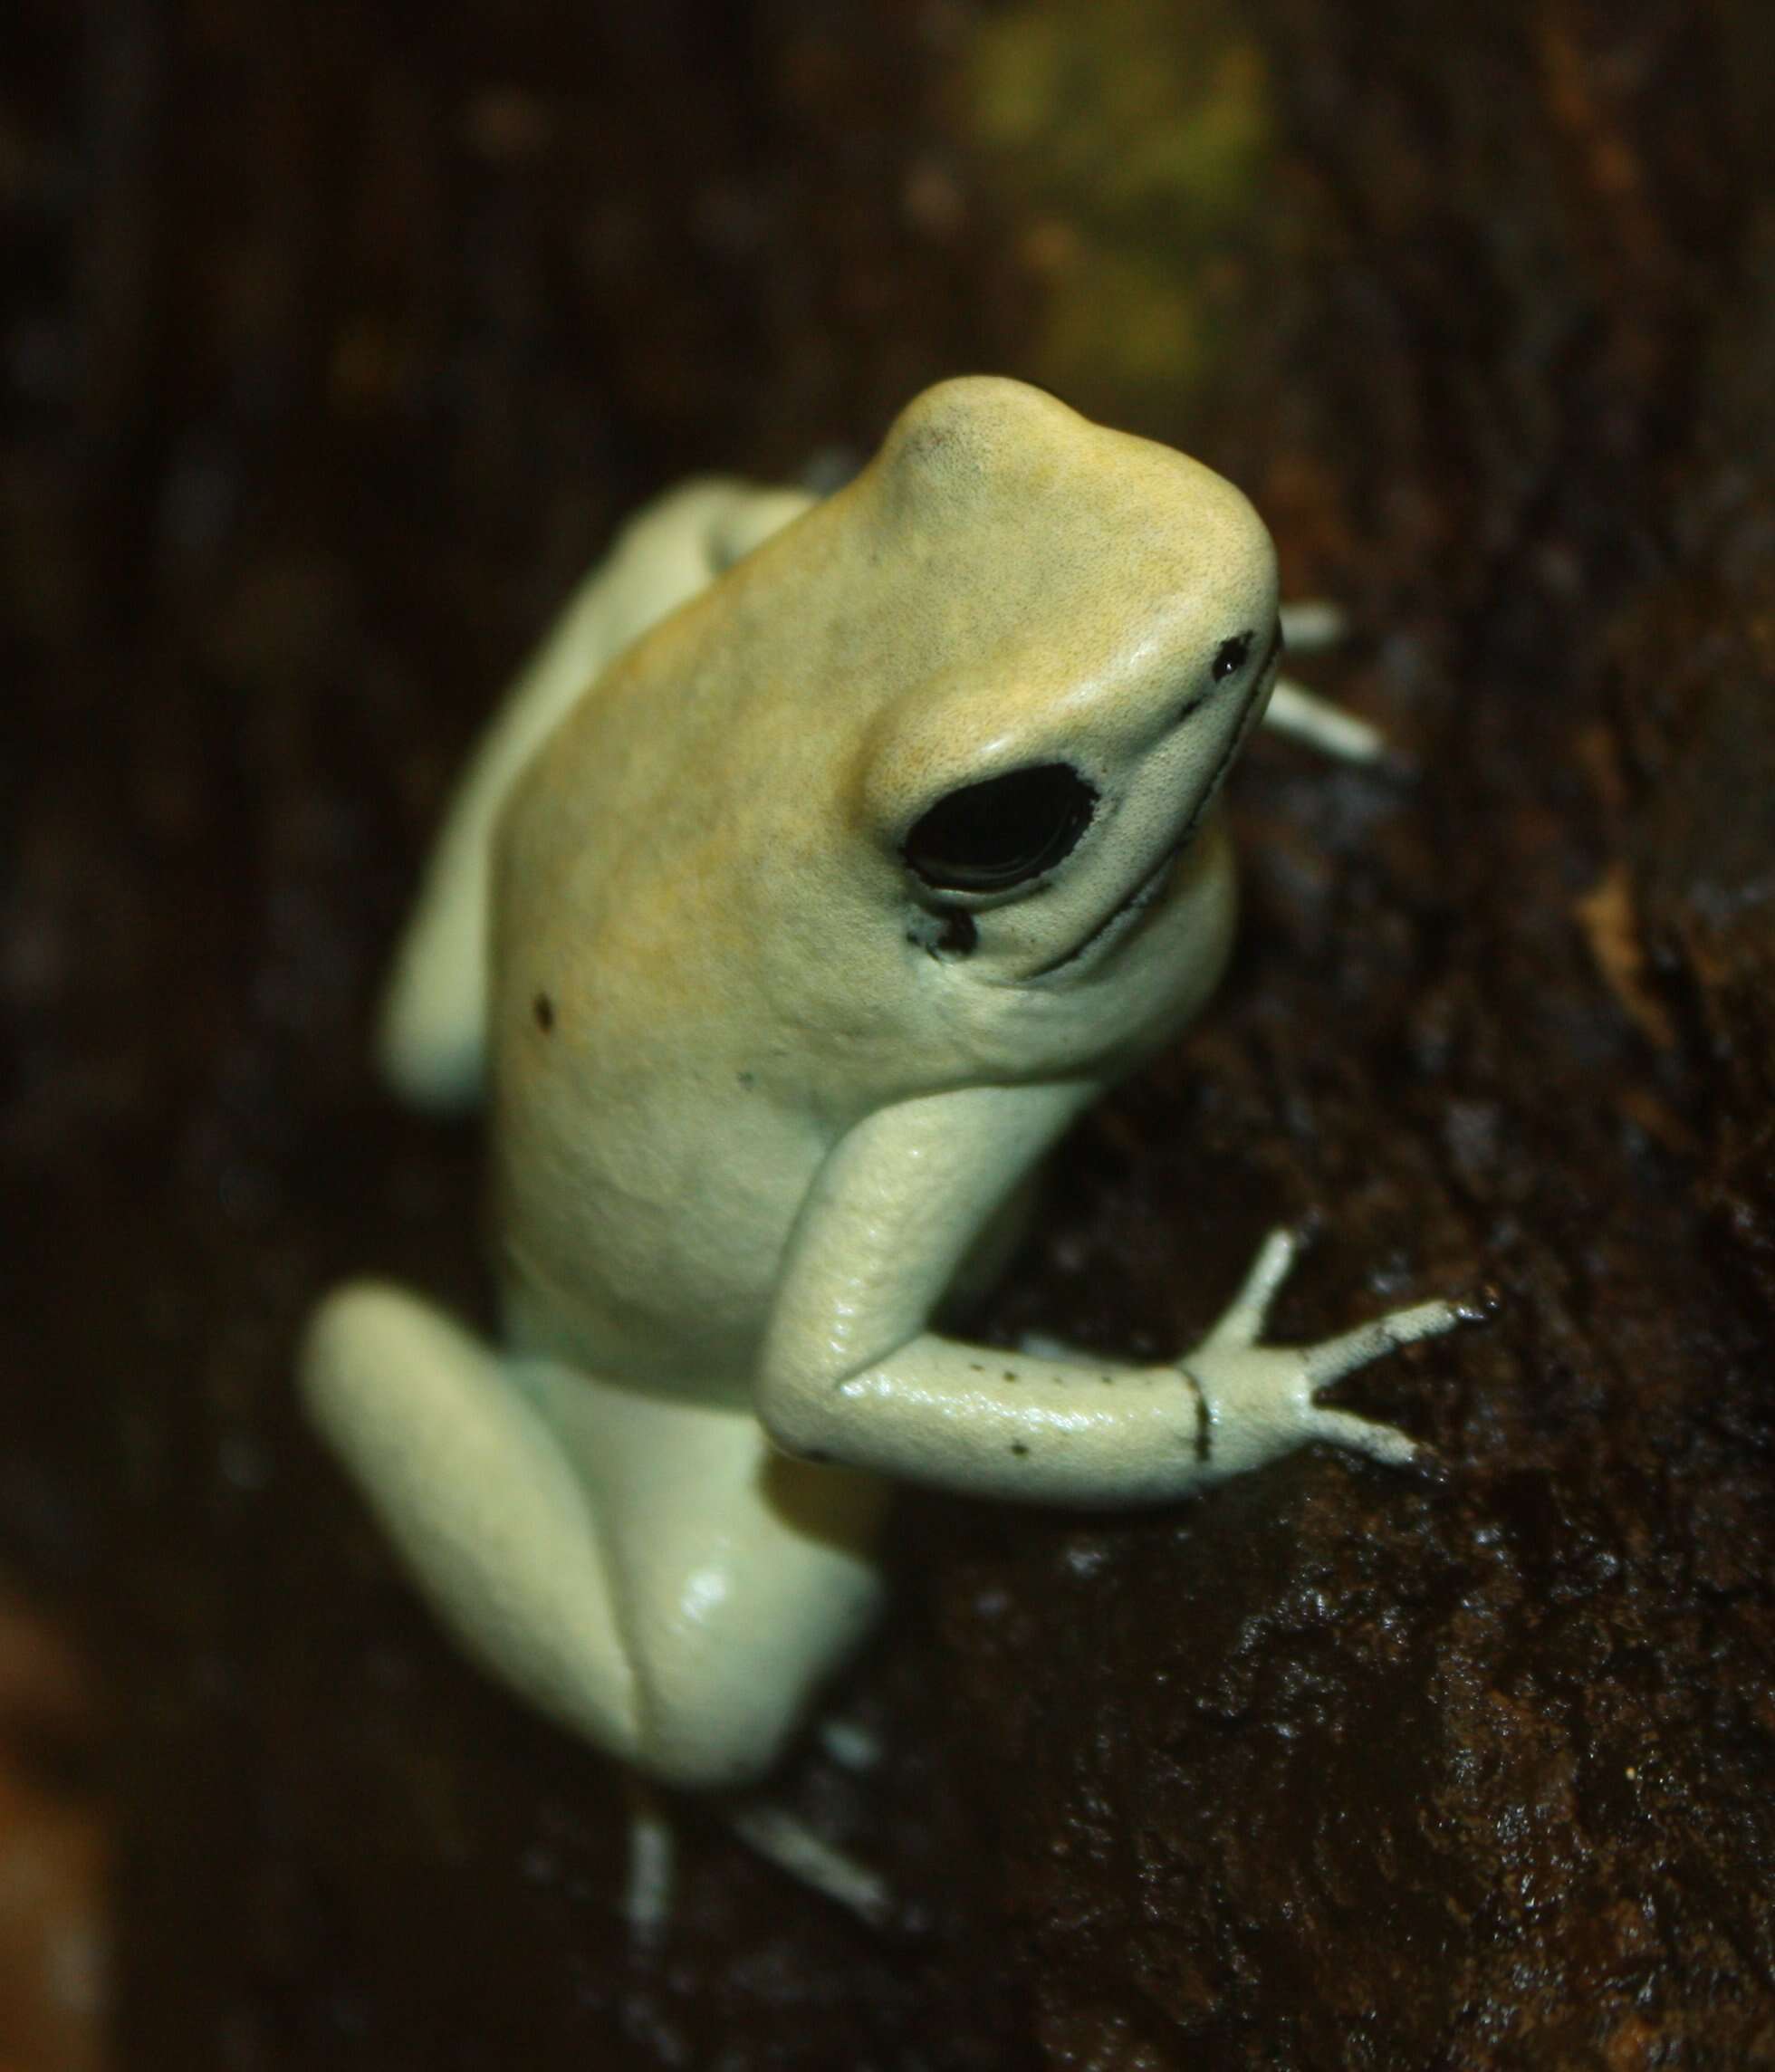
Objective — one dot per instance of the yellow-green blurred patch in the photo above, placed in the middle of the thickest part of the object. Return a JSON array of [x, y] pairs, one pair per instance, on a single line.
[[1131, 142]]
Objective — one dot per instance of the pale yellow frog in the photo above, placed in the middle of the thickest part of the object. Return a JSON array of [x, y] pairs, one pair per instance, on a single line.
[[784, 945]]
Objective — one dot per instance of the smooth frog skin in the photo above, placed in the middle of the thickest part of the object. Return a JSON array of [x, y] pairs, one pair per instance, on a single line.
[[775, 1011]]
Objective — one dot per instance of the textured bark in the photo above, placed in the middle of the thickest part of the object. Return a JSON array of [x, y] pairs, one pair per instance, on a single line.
[[341, 338]]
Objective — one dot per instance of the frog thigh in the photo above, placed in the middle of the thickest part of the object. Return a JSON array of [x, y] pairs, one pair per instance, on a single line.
[[432, 1041], [646, 1573], [480, 1500], [743, 1578]]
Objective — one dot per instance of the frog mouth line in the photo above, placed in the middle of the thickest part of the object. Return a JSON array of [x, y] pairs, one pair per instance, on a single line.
[[1151, 888], [1145, 894]]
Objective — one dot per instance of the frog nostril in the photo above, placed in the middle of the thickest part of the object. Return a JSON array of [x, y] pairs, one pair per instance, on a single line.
[[1231, 654]]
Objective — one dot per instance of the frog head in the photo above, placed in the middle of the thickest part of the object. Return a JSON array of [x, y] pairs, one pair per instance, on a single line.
[[1096, 622]]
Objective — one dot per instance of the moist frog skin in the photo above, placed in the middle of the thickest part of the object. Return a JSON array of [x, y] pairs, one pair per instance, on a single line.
[[826, 861]]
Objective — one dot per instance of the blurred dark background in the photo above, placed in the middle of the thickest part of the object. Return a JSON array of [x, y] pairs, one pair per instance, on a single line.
[[337, 337]]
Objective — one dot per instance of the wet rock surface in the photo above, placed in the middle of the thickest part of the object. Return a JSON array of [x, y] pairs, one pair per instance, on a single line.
[[339, 341]]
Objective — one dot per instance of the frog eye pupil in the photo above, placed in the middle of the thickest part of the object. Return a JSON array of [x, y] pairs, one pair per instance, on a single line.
[[1231, 655], [1002, 831]]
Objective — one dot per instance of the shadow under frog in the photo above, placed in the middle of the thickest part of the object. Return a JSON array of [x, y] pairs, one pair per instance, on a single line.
[[826, 862]]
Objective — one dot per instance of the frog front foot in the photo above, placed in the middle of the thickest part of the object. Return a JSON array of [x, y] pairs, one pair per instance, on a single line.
[[1311, 629], [1255, 1402]]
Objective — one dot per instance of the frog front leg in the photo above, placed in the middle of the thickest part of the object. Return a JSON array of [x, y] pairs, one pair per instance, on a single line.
[[852, 1374]]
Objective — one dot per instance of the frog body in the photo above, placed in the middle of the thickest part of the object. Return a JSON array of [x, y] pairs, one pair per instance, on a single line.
[[828, 861], [699, 876]]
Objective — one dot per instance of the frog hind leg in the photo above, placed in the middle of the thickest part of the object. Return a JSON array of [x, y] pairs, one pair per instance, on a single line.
[[745, 1578], [645, 1571], [742, 1577], [480, 1501]]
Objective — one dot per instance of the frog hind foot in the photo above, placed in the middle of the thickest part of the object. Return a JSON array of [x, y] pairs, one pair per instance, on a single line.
[[786, 1841]]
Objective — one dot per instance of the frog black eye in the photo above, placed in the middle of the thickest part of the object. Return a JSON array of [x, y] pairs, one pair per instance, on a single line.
[[988, 837], [1231, 655]]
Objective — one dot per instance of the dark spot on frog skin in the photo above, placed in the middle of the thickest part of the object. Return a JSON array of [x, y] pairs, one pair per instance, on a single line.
[[747, 1082], [959, 935], [1018, 1447], [817, 1457], [542, 1007], [1011, 1374]]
